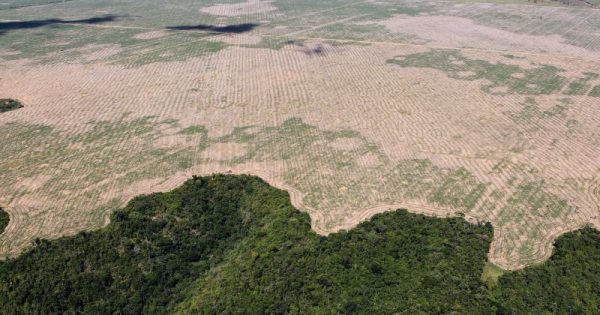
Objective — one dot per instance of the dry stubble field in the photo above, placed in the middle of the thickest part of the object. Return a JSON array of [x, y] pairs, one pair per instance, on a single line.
[[489, 110]]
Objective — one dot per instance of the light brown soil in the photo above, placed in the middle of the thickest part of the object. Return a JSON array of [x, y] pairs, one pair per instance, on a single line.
[[239, 39], [225, 151], [499, 89], [387, 115], [99, 52], [245, 8], [466, 74], [518, 75], [150, 35], [346, 144], [175, 141], [33, 183], [462, 32], [368, 160]]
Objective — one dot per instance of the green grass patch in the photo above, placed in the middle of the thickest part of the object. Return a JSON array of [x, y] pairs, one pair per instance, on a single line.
[[123, 146], [504, 78], [13, 4], [63, 42], [580, 85], [276, 43], [459, 189], [349, 31], [533, 198], [595, 91], [531, 112], [192, 130], [303, 145], [491, 273]]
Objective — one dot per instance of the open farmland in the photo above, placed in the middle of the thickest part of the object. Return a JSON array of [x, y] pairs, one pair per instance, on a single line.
[[490, 110]]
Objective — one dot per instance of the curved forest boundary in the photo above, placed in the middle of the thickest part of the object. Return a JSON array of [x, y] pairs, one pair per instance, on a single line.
[[4, 218], [234, 244]]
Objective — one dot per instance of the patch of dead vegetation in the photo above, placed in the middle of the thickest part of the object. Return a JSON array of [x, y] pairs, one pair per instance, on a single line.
[[499, 90], [239, 39], [466, 74], [99, 52], [150, 35], [225, 151], [176, 142], [31, 184], [249, 7], [518, 75], [8, 52], [58, 43], [460, 32], [346, 144], [368, 160]]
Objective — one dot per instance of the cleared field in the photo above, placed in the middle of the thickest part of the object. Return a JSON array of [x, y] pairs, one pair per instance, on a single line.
[[487, 110]]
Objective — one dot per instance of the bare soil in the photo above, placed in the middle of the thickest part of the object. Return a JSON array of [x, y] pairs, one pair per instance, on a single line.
[[249, 7], [453, 31]]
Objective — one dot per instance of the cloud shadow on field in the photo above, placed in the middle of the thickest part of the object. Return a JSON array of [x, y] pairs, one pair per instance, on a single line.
[[226, 29], [318, 50], [19, 25]]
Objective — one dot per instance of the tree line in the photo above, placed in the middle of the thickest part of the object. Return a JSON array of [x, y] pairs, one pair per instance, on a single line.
[[233, 244]]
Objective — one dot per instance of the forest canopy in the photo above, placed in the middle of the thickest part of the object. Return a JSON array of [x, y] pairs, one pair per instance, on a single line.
[[7, 104], [233, 244], [4, 218]]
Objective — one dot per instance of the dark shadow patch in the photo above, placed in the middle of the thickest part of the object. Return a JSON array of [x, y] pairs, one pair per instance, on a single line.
[[317, 51], [7, 104], [226, 29], [19, 25], [293, 42], [4, 218]]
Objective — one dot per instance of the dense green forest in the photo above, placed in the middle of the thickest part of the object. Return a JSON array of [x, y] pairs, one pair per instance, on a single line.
[[3, 220], [233, 244], [568, 283], [7, 104]]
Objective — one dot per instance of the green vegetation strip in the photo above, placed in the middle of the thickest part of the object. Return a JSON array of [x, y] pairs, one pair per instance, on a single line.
[[503, 78], [580, 85], [233, 244], [565, 284], [7, 104], [595, 91]]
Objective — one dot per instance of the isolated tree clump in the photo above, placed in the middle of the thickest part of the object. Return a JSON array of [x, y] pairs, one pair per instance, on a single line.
[[4, 218], [7, 104]]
